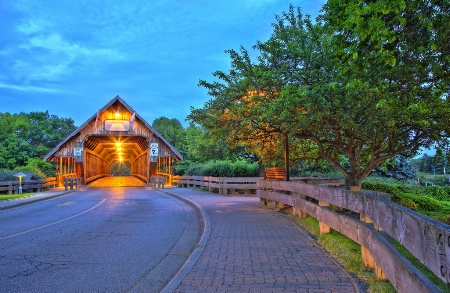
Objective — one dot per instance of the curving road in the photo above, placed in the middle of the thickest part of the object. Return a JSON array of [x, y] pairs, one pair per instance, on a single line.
[[96, 240]]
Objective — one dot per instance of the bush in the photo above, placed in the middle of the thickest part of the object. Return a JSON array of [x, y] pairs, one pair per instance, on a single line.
[[31, 173], [219, 169], [40, 166], [224, 169], [195, 170], [181, 167], [432, 201], [7, 175]]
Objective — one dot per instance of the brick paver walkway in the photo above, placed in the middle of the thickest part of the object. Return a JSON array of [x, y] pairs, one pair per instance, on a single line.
[[254, 249]]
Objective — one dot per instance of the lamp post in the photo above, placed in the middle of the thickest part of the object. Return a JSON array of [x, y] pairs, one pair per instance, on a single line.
[[20, 175]]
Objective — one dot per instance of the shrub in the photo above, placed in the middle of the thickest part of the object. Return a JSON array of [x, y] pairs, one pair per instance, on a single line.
[[39, 166], [7, 175], [432, 201], [224, 169], [181, 167], [195, 170], [244, 169], [219, 169], [30, 172]]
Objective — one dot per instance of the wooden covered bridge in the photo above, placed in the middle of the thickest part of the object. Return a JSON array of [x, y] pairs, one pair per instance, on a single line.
[[115, 135]]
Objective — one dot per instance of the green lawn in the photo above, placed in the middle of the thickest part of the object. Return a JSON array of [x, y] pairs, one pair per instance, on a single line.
[[13, 196]]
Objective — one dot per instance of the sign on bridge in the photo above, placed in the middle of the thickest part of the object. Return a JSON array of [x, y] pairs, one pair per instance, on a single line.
[[154, 149]]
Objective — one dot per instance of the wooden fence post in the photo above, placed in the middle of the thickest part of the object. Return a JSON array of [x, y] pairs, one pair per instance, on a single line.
[[324, 228], [298, 213], [366, 256]]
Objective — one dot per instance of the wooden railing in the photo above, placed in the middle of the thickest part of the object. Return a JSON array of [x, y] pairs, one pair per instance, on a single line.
[[95, 177], [427, 239], [224, 185], [28, 185]]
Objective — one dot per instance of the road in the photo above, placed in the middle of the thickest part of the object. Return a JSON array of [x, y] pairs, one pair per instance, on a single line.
[[96, 240]]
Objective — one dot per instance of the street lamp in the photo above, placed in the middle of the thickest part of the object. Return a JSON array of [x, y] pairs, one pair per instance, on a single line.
[[20, 175]]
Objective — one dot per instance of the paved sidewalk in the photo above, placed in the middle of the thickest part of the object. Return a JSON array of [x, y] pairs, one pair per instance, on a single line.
[[254, 249]]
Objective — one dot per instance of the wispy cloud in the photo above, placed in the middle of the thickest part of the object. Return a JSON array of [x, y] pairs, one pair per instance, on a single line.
[[28, 88]]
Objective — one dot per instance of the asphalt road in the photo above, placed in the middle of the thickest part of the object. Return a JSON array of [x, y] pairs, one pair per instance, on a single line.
[[97, 240]]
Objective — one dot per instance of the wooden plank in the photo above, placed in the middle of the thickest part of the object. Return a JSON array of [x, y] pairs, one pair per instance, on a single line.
[[401, 273], [238, 186], [417, 233], [252, 180]]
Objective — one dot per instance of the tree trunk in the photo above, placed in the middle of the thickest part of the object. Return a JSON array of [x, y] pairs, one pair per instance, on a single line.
[[354, 183]]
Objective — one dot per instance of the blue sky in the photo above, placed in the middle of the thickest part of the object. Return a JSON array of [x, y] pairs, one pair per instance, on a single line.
[[73, 57]]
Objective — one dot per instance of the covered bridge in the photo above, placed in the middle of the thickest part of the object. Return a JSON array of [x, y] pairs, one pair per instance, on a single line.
[[116, 134]]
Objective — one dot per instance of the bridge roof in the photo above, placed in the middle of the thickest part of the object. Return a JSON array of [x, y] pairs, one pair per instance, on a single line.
[[117, 99]]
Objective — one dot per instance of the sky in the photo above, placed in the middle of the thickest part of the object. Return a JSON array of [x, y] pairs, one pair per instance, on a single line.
[[73, 57]]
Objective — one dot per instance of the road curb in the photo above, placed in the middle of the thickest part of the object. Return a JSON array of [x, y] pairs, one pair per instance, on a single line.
[[195, 255], [25, 203]]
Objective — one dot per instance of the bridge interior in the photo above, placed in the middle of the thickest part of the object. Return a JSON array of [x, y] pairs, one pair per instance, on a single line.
[[101, 151], [112, 148]]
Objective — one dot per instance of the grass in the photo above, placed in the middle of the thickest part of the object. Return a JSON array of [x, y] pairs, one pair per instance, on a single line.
[[429, 274], [14, 196], [431, 201], [348, 253]]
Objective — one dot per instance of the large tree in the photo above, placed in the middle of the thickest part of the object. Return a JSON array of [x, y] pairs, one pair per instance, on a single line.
[[363, 93]]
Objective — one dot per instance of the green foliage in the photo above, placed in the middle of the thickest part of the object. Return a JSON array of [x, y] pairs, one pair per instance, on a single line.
[[120, 168], [432, 201], [30, 135], [201, 149], [224, 168], [41, 166], [7, 175], [423, 164], [172, 131], [30, 172], [366, 81], [181, 167], [14, 196], [196, 170], [219, 169], [397, 168]]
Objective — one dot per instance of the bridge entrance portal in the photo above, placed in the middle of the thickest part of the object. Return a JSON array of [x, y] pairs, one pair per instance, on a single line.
[[115, 141]]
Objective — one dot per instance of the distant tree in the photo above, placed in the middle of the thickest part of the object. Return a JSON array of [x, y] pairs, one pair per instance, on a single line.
[[30, 135], [201, 148], [439, 162], [120, 168], [173, 131], [398, 168]]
